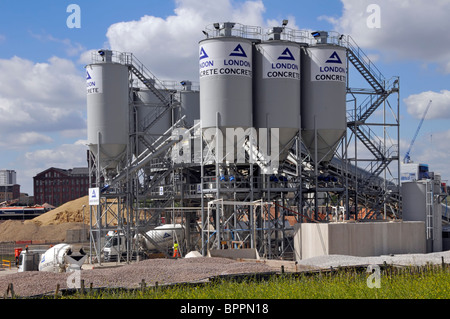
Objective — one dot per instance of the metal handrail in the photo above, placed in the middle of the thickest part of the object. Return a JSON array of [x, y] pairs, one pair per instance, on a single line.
[[356, 50], [238, 30], [129, 59], [374, 140]]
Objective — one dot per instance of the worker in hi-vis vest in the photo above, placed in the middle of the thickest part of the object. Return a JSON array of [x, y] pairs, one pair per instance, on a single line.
[[176, 253]]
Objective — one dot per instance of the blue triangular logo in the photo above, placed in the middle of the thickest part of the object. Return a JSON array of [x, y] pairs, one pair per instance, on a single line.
[[286, 55], [166, 235], [238, 51], [334, 58], [88, 76], [203, 54], [93, 194]]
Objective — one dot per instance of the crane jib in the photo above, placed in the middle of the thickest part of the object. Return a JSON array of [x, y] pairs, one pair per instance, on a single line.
[[407, 157]]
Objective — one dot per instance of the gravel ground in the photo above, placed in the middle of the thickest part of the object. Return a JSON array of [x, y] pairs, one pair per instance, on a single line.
[[162, 271], [166, 271]]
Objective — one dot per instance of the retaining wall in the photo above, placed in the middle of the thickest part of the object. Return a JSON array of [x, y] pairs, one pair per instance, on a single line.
[[362, 239]]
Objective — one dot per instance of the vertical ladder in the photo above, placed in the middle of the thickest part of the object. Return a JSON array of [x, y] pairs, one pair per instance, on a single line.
[[429, 209]]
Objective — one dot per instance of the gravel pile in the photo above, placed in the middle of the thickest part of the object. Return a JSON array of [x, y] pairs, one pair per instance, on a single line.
[[162, 271]]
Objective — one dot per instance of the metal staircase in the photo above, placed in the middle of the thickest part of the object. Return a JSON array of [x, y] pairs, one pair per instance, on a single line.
[[363, 64], [148, 79], [383, 156], [168, 101], [153, 119], [356, 121], [369, 106], [369, 139]]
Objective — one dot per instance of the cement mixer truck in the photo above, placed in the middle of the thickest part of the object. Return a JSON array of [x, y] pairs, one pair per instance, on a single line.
[[159, 239], [58, 258], [62, 258]]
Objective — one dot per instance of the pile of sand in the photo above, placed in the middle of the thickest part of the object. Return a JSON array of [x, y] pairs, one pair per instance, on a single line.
[[53, 225], [70, 212]]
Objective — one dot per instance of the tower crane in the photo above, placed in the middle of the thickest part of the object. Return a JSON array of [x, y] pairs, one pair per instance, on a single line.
[[407, 159]]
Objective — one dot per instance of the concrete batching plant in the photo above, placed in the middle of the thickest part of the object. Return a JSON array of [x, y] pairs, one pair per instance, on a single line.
[[271, 139]]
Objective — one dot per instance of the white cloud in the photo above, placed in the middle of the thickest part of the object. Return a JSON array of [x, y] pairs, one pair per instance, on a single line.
[[63, 156], [55, 82], [439, 109], [39, 97], [169, 47], [25, 139], [409, 29]]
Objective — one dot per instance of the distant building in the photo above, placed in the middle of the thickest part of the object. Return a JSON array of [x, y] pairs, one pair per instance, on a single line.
[[25, 200], [57, 186], [9, 192], [7, 177]]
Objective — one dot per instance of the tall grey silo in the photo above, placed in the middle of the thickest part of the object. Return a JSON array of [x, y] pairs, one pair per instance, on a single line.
[[107, 111], [323, 98]]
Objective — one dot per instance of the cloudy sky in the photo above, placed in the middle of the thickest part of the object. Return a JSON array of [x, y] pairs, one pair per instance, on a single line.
[[42, 59]]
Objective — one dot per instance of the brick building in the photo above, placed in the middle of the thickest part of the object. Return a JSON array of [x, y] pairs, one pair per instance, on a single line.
[[9, 192], [57, 186]]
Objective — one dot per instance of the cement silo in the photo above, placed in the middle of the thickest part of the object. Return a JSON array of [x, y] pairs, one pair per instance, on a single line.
[[225, 64], [107, 111], [323, 99], [277, 89], [148, 108], [189, 104]]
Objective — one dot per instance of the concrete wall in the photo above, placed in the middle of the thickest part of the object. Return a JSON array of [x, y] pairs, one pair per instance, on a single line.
[[77, 235], [245, 253], [358, 239]]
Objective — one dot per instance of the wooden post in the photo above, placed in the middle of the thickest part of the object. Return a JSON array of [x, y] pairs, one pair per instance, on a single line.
[[10, 289], [142, 285], [56, 291]]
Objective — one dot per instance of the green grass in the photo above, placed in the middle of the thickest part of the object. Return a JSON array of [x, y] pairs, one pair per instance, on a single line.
[[410, 283]]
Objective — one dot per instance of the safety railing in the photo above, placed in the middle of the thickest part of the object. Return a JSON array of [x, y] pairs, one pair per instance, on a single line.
[[6, 263], [129, 59], [363, 58], [232, 29]]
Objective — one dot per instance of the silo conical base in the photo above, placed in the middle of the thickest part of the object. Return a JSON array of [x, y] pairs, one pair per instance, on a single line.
[[327, 142]]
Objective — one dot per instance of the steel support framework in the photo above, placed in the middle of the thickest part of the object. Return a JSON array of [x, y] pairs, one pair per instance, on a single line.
[[256, 210]]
